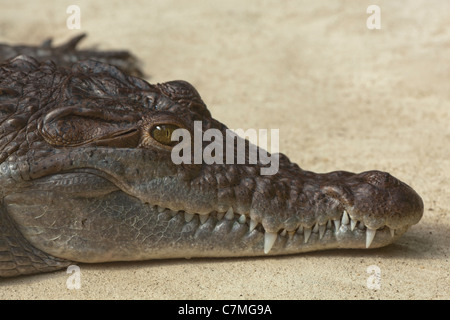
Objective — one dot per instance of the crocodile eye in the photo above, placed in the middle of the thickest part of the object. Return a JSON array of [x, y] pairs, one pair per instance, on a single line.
[[163, 134]]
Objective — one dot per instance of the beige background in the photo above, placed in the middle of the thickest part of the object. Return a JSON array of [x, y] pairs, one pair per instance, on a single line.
[[344, 97]]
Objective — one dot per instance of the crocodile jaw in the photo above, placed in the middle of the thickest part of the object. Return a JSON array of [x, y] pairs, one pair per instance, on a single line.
[[122, 228]]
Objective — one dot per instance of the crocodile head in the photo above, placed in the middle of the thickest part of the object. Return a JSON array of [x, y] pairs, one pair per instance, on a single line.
[[87, 175]]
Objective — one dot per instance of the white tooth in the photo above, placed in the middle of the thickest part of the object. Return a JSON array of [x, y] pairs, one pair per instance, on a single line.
[[307, 234], [230, 214], [322, 229], [345, 218], [316, 228], [188, 216], [269, 240], [203, 218], [160, 209], [300, 230], [392, 232], [337, 224], [220, 215], [242, 219], [329, 224], [253, 225], [283, 233], [353, 224], [361, 226], [370, 234]]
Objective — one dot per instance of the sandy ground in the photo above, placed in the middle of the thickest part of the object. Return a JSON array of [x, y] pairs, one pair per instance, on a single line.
[[343, 96]]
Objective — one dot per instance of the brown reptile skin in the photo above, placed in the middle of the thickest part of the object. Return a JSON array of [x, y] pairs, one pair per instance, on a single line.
[[62, 123]]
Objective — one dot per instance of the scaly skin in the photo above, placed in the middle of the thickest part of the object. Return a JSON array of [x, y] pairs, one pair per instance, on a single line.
[[67, 54], [83, 178]]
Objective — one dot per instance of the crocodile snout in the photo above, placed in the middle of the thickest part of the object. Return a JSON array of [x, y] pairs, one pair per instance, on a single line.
[[381, 199], [378, 199]]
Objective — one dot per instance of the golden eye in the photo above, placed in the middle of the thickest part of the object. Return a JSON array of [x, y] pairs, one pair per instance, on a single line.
[[163, 134]]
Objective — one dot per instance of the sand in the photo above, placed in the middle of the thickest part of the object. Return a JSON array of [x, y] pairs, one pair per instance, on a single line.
[[343, 96]]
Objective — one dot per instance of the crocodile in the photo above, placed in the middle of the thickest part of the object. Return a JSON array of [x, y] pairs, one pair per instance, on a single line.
[[87, 176]]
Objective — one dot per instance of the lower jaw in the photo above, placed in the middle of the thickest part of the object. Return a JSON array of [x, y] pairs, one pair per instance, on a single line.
[[252, 244], [295, 244], [117, 227], [230, 238], [344, 238]]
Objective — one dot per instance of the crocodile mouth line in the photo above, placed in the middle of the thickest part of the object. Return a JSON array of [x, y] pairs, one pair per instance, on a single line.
[[332, 227]]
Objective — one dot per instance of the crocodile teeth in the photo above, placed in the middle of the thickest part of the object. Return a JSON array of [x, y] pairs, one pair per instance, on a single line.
[[203, 218], [253, 225], [188, 216], [242, 219], [322, 229], [230, 214], [283, 233], [307, 233], [316, 228], [370, 234], [173, 213], [392, 232], [353, 224], [337, 224], [269, 240], [345, 219], [160, 209]]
